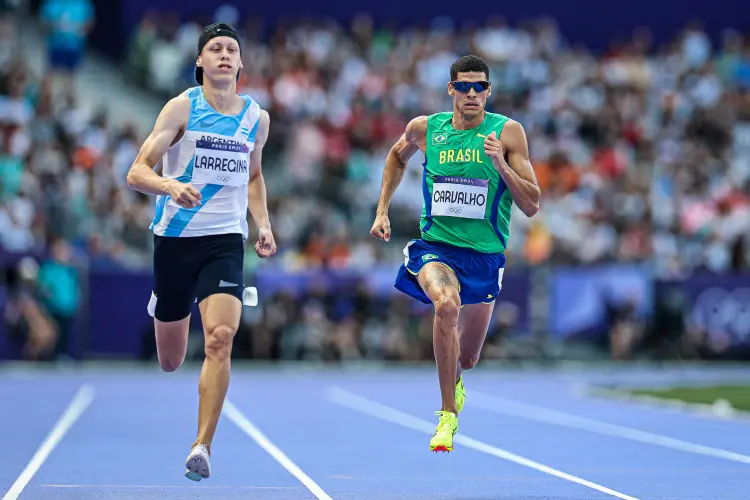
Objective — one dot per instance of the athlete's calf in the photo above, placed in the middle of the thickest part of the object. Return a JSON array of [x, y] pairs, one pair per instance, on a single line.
[[472, 331], [221, 318]]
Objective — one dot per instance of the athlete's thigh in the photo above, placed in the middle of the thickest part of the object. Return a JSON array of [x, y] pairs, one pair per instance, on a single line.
[[172, 341], [437, 279], [472, 327], [220, 309]]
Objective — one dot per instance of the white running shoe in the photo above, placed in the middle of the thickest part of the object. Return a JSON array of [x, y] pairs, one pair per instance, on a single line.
[[198, 464]]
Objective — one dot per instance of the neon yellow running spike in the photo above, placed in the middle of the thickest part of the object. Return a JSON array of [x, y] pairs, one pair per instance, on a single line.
[[442, 440], [460, 394]]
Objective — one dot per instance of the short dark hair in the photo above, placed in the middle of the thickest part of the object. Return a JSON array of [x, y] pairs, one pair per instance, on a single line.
[[469, 64]]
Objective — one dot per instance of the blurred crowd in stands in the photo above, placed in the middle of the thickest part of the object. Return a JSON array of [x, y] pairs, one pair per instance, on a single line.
[[642, 152]]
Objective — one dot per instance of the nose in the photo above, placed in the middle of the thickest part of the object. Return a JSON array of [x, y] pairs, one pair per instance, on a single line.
[[471, 92]]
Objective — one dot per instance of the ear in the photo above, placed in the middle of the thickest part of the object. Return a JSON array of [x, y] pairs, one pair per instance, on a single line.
[[489, 90], [451, 90], [199, 62]]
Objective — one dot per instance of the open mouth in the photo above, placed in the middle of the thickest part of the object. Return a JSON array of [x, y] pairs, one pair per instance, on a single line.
[[225, 66]]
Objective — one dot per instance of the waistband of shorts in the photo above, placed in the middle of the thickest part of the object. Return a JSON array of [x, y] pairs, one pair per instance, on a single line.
[[200, 240], [463, 250]]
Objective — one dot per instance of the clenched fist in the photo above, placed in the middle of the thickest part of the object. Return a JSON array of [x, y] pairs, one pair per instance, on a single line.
[[493, 148], [381, 228]]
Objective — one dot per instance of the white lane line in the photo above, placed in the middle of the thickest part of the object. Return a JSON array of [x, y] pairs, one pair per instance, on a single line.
[[549, 416], [256, 435], [165, 487], [363, 405], [80, 402]]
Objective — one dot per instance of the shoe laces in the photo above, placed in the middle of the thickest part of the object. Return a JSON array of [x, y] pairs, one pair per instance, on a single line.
[[447, 419], [201, 448]]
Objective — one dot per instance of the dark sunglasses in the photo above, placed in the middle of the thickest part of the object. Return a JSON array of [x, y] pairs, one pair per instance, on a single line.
[[464, 87]]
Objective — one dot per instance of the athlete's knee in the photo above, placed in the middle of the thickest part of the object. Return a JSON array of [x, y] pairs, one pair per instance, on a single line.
[[219, 341], [466, 361], [170, 363], [447, 305]]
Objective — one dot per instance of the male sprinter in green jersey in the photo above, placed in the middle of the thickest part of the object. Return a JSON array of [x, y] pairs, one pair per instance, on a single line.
[[476, 166]]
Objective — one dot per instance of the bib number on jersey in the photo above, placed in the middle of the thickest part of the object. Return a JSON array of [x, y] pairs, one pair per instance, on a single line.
[[226, 164], [459, 197]]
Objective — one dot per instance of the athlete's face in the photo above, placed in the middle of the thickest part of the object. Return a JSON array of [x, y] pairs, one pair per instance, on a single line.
[[470, 101], [220, 59]]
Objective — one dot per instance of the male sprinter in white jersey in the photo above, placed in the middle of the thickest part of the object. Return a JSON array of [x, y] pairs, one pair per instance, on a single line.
[[209, 141]]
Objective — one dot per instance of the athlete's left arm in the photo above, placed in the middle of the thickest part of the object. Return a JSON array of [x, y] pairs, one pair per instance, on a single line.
[[256, 187], [517, 172], [256, 191]]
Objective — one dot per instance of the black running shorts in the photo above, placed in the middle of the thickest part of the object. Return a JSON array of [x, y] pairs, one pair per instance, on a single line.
[[195, 267]]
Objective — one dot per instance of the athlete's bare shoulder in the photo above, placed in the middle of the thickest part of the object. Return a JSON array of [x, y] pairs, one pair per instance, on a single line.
[[173, 119], [412, 140], [416, 130], [264, 126], [514, 127], [168, 130], [513, 136], [178, 107]]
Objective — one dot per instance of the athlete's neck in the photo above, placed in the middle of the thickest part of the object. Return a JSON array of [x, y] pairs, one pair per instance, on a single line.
[[223, 100], [460, 122]]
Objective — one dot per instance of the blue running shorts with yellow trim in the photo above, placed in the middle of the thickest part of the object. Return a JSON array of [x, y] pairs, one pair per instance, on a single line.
[[480, 275]]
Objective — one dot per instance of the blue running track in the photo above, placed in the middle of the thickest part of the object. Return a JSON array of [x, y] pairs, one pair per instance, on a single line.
[[350, 435]]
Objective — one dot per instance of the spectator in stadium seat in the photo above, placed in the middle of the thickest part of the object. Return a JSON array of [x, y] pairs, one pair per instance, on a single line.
[[59, 285], [69, 23]]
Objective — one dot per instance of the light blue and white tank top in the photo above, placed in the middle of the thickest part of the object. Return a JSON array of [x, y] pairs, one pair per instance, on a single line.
[[214, 156]]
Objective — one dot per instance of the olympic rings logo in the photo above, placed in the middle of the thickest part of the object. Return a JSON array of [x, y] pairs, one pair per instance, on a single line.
[[455, 210], [222, 179], [717, 310]]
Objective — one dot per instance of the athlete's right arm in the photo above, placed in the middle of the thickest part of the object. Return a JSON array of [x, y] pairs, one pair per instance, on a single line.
[[393, 173], [142, 177]]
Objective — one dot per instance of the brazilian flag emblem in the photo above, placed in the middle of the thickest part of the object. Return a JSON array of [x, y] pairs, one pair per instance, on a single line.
[[439, 138]]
